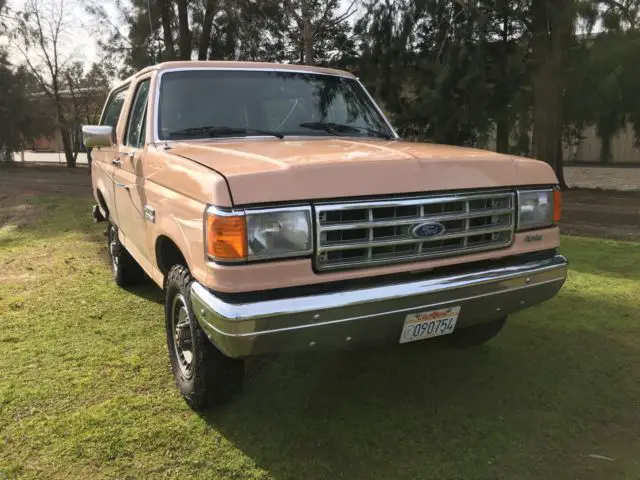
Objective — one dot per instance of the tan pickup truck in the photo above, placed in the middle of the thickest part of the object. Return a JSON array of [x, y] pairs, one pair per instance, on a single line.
[[279, 210]]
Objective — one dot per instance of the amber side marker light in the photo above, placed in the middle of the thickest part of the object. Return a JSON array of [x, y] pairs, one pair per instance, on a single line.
[[226, 237], [557, 206]]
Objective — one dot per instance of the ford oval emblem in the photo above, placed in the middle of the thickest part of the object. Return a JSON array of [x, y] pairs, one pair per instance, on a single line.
[[427, 229]]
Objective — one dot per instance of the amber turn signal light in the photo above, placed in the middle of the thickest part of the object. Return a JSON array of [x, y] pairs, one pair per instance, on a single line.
[[226, 237], [557, 206]]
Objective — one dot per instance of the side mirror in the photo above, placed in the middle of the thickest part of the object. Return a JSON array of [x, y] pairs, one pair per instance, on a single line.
[[98, 136]]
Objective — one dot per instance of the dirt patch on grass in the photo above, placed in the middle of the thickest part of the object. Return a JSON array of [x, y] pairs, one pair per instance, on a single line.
[[27, 180], [18, 182], [15, 213], [601, 213], [620, 178]]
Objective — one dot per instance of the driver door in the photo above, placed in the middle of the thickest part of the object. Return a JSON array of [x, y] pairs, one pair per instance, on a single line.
[[104, 158], [133, 213]]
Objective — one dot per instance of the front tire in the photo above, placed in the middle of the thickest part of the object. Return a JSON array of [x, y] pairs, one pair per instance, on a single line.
[[474, 335], [124, 268], [203, 374]]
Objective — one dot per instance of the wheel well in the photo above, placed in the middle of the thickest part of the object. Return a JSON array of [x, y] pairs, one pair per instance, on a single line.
[[168, 254], [102, 202]]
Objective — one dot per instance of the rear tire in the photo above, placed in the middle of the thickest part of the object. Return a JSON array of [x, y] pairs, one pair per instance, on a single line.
[[203, 374], [474, 335], [124, 268]]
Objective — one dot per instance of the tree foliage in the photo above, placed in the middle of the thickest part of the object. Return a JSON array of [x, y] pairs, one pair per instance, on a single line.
[[605, 90], [521, 76], [57, 90], [16, 121], [304, 31], [42, 30]]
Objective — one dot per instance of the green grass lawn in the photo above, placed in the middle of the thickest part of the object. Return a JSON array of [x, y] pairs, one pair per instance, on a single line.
[[86, 390]]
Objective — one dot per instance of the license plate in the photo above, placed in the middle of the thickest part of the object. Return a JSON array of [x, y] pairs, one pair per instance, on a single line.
[[434, 323]]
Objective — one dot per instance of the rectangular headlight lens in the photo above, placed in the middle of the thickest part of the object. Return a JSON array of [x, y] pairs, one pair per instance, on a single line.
[[245, 235], [535, 209], [277, 233]]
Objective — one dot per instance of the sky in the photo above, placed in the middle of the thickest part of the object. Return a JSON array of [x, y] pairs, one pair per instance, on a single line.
[[79, 41]]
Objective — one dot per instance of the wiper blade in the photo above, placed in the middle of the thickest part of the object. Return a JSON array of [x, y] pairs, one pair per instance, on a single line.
[[338, 128], [221, 131]]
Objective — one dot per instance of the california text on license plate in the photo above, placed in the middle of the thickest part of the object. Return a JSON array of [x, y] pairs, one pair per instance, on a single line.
[[418, 326]]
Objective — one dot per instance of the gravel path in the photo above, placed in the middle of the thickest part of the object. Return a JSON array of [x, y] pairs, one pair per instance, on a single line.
[[607, 178]]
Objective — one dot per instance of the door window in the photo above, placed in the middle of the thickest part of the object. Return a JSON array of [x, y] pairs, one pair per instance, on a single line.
[[114, 107], [136, 129]]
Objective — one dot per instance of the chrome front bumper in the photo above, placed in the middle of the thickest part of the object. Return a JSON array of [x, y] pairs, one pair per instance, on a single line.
[[372, 314]]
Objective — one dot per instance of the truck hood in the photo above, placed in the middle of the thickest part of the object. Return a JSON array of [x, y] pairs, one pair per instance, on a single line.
[[261, 171]]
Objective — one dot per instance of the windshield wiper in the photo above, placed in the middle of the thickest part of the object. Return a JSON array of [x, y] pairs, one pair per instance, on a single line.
[[338, 128], [221, 131]]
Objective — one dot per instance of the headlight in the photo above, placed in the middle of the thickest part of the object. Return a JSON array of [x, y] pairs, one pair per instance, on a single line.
[[279, 233], [538, 208], [258, 234]]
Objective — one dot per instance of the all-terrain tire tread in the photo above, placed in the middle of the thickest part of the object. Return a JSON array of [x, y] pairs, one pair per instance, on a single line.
[[216, 377]]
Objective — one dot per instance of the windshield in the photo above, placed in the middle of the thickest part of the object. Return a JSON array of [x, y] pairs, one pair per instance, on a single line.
[[239, 103]]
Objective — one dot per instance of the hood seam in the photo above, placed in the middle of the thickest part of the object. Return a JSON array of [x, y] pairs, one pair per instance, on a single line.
[[226, 180]]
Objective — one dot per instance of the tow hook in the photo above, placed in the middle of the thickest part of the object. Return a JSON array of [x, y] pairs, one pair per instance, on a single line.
[[97, 214]]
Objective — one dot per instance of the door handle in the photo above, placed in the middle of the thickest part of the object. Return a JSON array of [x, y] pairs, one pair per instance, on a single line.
[[117, 162], [129, 154]]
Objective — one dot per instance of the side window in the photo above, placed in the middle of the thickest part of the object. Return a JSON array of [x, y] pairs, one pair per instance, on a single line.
[[136, 127], [114, 107]]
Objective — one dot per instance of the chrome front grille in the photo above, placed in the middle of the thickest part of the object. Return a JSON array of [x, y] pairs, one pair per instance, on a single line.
[[363, 234]]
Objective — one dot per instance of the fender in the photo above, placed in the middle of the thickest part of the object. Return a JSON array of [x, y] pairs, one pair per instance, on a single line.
[[182, 223]]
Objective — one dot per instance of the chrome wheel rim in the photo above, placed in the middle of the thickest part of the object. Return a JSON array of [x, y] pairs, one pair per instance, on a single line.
[[113, 244], [182, 335]]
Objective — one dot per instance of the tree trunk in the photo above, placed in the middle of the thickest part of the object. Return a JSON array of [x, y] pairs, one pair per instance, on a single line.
[[183, 30], [384, 86], [67, 147], [307, 34], [205, 36], [165, 14], [502, 133], [552, 25], [502, 122], [523, 144], [605, 149], [560, 170], [75, 137]]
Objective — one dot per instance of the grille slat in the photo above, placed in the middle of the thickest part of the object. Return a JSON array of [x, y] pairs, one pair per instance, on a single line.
[[388, 243], [412, 221], [352, 235]]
